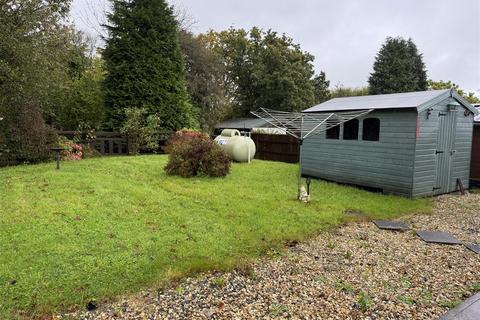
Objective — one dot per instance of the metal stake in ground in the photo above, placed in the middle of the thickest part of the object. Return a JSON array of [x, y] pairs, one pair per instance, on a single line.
[[57, 156]]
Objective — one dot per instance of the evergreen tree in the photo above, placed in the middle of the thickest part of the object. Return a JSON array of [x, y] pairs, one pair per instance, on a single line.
[[144, 64], [398, 67], [320, 87]]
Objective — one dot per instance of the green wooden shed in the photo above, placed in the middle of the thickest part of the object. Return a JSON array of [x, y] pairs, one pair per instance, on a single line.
[[413, 144]]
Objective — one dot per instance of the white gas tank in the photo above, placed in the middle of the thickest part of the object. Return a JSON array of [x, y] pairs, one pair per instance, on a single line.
[[240, 148]]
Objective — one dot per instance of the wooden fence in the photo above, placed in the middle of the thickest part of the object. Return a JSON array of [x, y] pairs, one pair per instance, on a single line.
[[274, 147], [107, 143], [475, 160], [271, 147]]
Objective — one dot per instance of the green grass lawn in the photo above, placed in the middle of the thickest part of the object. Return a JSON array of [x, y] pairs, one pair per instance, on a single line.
[[107, 226]]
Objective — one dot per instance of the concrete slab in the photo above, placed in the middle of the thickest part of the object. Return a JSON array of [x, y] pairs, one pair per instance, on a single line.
[[391, 225], [473, 247], [438, 237], [467, 310]]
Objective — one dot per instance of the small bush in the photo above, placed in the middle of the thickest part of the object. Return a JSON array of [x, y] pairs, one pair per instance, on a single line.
[[142, 129], [90, 152], [72, 150], [193, 153], [25, 137]]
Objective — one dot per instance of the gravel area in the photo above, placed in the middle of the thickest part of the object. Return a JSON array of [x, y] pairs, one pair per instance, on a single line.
[[353, 272]]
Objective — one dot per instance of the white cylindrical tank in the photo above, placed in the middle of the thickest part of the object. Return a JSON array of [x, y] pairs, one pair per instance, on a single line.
[[240, 148]]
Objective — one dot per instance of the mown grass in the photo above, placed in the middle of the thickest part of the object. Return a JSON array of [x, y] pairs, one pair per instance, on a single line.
[[103, 227]]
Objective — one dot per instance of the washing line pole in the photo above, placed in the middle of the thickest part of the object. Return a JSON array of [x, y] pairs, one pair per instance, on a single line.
[[300, 143], [306, 124]]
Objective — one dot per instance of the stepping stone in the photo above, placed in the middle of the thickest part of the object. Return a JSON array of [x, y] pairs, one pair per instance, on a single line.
[[474, 247], [391, 225], [467, 310], [437, 237]]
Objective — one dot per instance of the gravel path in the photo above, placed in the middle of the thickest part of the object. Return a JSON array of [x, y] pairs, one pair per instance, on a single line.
[[354, 272]]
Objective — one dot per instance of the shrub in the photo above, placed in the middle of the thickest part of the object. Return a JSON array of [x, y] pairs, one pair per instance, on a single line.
[[24, 137], [193, 153], [73, 150], [89, 152], [142, 129]]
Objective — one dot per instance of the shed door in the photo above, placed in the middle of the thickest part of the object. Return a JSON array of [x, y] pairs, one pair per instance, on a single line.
[[444, 153]]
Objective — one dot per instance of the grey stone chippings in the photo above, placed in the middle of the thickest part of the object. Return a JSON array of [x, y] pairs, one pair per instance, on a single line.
[[398, 275]]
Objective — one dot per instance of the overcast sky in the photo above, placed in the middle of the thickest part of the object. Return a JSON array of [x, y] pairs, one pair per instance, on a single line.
[[344, 35]]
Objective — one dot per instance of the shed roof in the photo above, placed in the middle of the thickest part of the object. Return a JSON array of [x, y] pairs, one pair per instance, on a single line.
[[242, 123], [417, 100]]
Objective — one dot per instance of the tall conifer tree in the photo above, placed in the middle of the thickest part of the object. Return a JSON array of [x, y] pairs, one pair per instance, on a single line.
[[398, 67], [144, 64]]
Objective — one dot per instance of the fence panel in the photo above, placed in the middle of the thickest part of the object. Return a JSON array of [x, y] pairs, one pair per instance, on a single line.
[[475, 160], [273, 147], [107, 143]]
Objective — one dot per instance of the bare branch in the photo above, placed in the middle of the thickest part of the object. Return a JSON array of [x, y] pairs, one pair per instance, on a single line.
[[185, 20]]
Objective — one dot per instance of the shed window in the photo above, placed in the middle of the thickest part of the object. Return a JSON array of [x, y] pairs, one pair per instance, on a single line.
[[333, 133], [371, 129], [350, 130]]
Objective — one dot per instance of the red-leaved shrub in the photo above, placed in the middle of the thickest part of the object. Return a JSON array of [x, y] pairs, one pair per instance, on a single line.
[[72, 150], [192, 153]]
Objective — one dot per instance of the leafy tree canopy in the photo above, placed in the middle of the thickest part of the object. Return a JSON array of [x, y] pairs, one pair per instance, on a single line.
[[82, 105], [36, 63], [264, 69], [144, 64], [205, 74], [439, 85], [398, 67]]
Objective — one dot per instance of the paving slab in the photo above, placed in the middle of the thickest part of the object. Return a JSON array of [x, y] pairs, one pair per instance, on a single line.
[[438, 237], [467, 310], [473, 247], [391, 225]]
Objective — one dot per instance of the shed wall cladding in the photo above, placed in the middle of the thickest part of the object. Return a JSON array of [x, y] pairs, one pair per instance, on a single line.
[[463, 148], [426, 159], [387, 164]]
